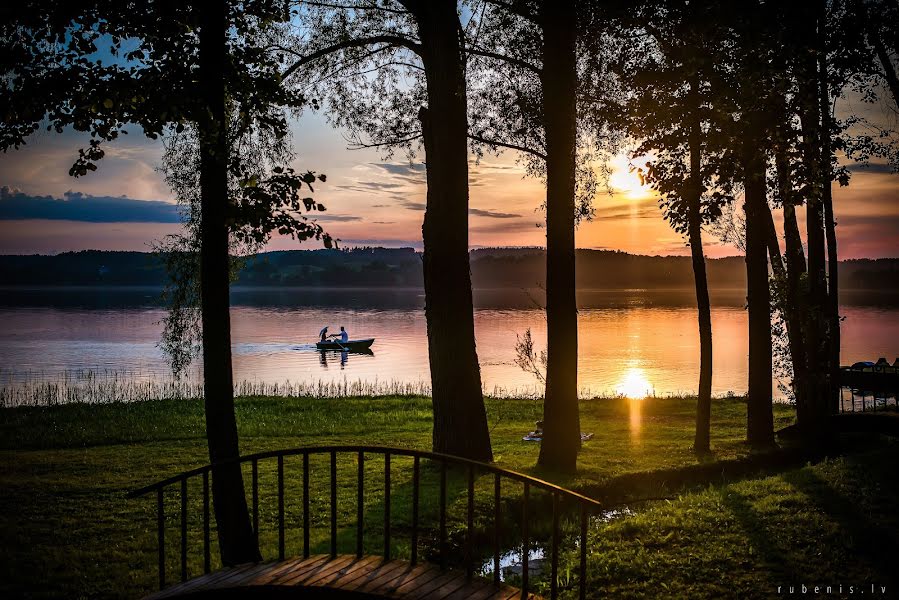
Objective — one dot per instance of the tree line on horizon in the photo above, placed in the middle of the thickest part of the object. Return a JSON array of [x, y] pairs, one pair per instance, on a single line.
[[721, 104], [512, 268]]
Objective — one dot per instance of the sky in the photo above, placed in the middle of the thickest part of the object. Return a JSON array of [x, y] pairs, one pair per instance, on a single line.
[[370, 200]]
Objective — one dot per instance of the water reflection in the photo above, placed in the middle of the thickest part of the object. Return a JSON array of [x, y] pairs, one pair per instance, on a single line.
[[634, 384], [630, 343], [343, 355]]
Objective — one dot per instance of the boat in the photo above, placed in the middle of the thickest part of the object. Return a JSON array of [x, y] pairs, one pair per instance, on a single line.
[[351, 345]]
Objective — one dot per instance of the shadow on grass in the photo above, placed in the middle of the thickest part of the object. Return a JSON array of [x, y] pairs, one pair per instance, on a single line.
[[776, 559], [662, 483], [867, 539]]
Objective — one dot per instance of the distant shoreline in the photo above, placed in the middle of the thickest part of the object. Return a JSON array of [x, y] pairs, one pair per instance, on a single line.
[[401, 269]]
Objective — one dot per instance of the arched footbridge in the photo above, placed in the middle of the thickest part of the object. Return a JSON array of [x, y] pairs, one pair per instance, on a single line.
[[376, 522]]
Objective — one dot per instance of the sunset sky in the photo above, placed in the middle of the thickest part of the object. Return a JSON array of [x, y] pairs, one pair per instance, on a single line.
[[370, 201]]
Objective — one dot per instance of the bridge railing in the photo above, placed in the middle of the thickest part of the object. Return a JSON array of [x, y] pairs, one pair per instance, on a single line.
[[562, 501], [875, 380]]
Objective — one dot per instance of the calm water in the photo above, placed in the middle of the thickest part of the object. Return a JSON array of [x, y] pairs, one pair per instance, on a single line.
[[631, 342]]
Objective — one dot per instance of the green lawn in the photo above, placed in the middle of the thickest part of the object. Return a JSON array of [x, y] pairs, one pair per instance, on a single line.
[[69, 531]]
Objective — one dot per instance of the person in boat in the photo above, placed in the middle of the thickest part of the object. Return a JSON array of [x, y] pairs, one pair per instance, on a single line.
[[323, 334], [344, 336]]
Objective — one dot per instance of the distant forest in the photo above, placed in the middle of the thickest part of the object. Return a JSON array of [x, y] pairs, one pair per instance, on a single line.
[[401, 267]]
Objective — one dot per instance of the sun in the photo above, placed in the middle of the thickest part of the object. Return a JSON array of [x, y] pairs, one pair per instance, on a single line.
[[625, 181], [634, 384]]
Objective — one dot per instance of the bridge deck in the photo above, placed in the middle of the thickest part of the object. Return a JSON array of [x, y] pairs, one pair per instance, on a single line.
[[344, 575]]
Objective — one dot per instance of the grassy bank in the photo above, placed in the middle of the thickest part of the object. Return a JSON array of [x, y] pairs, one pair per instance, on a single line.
[[68, 531]]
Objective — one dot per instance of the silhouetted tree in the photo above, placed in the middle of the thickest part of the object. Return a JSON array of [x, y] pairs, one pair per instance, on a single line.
[[365, 48], [669, 110], [97, 66], [528, 85]]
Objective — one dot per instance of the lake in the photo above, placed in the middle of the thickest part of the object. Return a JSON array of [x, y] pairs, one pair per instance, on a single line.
[[631, 342]]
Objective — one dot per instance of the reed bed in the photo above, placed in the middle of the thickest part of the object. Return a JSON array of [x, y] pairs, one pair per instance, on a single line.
[[114, 386]]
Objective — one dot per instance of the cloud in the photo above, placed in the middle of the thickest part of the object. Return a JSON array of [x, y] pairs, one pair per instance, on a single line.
[[76, 206], [880, 168], [478, 212], [639, 212], [334, 218], [366, 186], [408, 170], [412, 205]]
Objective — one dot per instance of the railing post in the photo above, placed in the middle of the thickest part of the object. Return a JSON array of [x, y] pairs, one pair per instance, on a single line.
[[387, 506], [184, 529], [160, 535], [360, 503], [415, 484], [207, 567], [256, 500], [333, 503], [554, 583], [583, 581], [306, 504], [469, 533], [525, 541], [280, 507], [497, 517], [442, 513]]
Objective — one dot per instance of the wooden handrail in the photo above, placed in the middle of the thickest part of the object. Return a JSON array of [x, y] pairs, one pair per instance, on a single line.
[[436, 456], [587, 505]]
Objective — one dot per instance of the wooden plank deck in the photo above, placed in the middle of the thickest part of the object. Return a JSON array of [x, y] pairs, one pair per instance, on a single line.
[[342, 575]]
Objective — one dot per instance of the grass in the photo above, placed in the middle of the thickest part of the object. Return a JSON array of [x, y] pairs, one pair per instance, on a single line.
[[68, 531]]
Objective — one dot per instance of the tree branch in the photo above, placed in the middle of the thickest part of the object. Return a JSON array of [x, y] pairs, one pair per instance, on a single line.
[[395, 11], [513, 9], [394, 40], [359, 145], [504, 58], [510, 146]]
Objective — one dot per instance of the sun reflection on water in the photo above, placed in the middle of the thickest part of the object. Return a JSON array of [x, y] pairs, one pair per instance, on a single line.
[[634, 384], [635, 387]]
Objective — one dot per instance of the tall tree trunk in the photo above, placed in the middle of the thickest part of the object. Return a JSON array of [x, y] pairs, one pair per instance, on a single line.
[[759, 413], [833, 288], [561, 421], [793, 268], [811, 420], [876, 41], [460, 420], [889, 71], [694, 217], [816, 326], [237, 543]]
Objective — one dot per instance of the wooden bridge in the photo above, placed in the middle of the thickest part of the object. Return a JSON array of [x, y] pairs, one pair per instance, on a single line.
[[451, 572]]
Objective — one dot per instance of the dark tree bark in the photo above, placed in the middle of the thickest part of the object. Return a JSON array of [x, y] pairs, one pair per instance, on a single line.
[[833, 288], [561, 420], [793, 269], [818, 355], [236, 540], [460, 420], [759, 413], [694, 218]]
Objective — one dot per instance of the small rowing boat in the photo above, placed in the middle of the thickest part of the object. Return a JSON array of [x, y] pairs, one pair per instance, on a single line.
[[352, 345]]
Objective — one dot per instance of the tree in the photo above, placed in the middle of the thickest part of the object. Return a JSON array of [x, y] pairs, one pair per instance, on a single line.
[[99, 65], [558, 78], [753, 78], [367, 46], [669, 111], [530, 82]]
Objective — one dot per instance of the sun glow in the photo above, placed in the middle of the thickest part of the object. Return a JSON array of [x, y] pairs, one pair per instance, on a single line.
[[625, 181], [634, 384]]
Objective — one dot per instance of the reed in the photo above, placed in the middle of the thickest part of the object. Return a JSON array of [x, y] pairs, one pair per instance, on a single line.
[[105, 386]]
